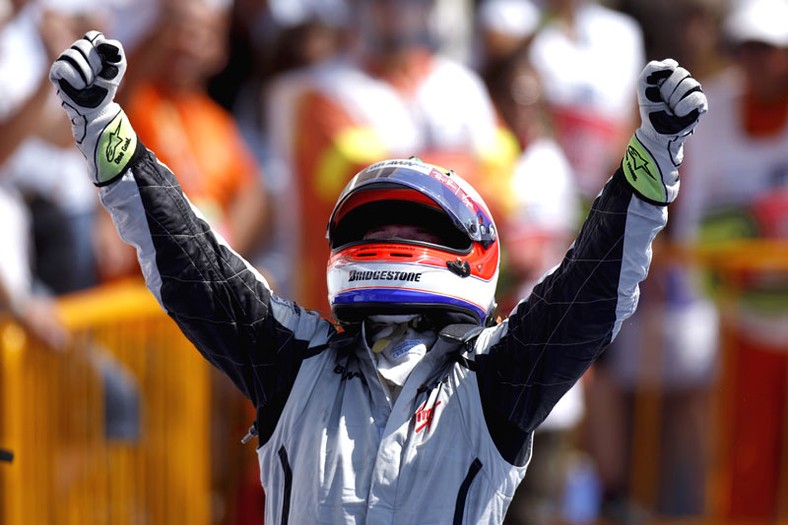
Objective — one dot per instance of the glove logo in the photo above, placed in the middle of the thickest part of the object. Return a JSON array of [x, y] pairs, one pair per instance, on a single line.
[[114, 140], [636, 162], [116, 145]]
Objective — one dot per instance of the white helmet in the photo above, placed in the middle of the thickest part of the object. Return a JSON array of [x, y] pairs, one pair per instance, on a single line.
[[454, 275]]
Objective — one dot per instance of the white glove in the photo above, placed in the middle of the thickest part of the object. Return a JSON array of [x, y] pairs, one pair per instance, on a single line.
[[671, 103], [87, 76]]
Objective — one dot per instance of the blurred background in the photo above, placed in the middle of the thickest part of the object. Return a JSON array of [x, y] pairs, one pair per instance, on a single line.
[[265, 109]]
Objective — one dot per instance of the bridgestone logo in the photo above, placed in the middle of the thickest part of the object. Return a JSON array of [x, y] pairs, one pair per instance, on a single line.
[[384, 275]]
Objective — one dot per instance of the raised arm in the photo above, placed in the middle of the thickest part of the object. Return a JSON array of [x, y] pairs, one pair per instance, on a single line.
[[552, 337], [218, 300]]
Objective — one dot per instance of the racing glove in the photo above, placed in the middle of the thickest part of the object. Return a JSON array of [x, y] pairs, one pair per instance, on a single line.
[[671, 104], [87, 76]]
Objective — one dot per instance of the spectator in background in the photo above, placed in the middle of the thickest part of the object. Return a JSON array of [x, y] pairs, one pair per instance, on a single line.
[[168, 101], [272, 47], [504, 27], [18, 298], [267, 39], [544, 219], [700, 41], [686, 29], [37, 158], [588, 57], [735, 186], [23, 95], [386, 99]]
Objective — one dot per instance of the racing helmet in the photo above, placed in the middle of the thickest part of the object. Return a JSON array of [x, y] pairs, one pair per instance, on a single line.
[[452, 274]]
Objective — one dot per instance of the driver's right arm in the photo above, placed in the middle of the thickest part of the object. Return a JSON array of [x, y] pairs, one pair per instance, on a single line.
[[219, 301]]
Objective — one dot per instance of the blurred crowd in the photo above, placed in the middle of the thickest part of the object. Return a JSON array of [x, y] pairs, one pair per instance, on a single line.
[[265, 109]]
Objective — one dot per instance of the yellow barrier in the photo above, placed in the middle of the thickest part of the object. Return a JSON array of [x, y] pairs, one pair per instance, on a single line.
[[69, 466]]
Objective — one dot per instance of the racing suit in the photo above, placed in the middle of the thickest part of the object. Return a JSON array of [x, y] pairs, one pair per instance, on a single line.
[[334, 445]]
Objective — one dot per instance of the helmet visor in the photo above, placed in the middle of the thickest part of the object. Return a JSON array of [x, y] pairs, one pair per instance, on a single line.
[[462, 207]]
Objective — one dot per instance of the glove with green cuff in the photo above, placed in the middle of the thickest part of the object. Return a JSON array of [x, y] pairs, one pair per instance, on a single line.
[[671, 104], [86, 77]]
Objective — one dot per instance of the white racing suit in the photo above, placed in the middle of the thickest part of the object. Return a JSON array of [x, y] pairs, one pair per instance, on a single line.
[[333, 445]]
